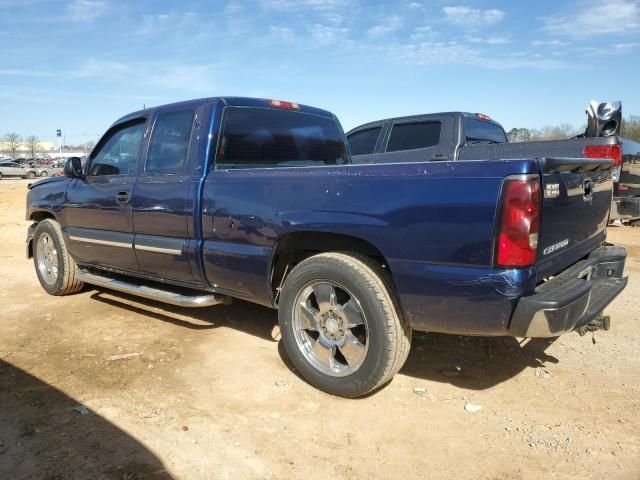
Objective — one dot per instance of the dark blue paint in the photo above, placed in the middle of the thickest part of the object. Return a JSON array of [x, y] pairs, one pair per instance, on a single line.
[[433, 222]]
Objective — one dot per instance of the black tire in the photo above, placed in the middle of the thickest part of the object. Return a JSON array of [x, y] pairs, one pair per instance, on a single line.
[[0, 176], [44, 173], [65, 281], [31, 175], [389, 336]]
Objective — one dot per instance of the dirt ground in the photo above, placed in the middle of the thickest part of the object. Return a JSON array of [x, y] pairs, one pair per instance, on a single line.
[[99, 385]]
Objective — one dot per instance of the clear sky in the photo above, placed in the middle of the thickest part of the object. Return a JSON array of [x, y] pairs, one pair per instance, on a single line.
[[80, 64]]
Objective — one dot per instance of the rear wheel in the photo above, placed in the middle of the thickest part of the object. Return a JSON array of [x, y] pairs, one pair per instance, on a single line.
[[44, 173], [31, 175], [55, 268], [340, 326]]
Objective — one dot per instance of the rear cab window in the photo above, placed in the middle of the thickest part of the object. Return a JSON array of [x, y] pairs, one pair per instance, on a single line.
[[415, 135], [482, 132], [169, 145], [254, 137], [363, 142]]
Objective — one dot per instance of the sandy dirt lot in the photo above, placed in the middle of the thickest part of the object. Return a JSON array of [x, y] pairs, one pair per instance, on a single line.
[[99, 385]]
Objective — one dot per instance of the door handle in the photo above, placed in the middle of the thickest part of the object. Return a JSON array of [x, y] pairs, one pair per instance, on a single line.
[[123, 197], [439, 157]]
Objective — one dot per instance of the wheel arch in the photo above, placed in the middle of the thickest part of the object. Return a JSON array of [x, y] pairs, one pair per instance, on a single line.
[[295, 247], [37, 217]]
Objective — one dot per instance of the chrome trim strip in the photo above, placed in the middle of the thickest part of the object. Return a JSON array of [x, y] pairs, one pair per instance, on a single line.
[[100, 242], [168, 251]]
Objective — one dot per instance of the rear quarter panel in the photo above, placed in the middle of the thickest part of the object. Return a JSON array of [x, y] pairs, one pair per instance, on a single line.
[[433, 222]]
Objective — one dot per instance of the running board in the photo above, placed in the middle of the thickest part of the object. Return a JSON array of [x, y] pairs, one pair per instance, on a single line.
[[172, 298]]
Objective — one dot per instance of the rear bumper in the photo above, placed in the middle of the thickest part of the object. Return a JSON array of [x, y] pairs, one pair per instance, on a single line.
[[573, 298], [625, 208]]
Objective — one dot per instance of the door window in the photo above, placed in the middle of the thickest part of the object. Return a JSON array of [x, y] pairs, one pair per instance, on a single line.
[[364, 142], [410, 136], [118, 152], [169, 145]]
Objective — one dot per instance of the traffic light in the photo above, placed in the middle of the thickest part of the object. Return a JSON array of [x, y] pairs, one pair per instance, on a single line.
[[58, 133]]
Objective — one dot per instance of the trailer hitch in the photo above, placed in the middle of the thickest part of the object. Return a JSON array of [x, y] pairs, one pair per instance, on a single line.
[[601, 322]]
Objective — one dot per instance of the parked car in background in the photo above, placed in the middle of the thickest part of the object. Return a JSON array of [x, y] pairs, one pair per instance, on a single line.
[[453, 136], [48, 170], [474, 136], [14, 169]]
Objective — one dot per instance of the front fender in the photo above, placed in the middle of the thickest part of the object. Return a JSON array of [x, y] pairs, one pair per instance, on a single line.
[[46, 196]]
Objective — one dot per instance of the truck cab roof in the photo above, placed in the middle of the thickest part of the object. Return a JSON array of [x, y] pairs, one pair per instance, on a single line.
[[227, 101], [426, 116]]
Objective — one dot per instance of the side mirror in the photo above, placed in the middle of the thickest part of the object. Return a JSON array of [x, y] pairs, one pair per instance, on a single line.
[[73, 168]]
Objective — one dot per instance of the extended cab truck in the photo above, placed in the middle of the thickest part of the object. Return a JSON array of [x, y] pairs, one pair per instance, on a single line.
[[197, 202]]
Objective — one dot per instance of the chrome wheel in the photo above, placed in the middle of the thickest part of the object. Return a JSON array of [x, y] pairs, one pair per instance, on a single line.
[[330, 328], [47, 256]]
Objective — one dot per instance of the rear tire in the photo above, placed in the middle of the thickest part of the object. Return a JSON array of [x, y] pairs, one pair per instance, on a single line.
[[340, 325], [55, 268], [31, 175], [44, 174]]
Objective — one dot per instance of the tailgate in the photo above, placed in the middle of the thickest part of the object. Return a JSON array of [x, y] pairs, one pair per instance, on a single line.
[[576, 199]]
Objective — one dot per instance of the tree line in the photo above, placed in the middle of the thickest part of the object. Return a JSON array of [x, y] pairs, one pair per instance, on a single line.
[[12, 143], [630, 129]]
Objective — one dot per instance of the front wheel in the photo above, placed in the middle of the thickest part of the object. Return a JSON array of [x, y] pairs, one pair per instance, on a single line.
[[340, 325], [44, 174], [31, 175], [55, 268]]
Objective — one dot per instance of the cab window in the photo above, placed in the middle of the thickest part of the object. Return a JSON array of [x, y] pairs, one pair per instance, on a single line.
[[169, 146], [117, 153], [411, 136], [363, 142], [268, 138]]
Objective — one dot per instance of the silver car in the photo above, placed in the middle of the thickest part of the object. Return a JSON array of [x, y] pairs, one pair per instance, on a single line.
[[48, 170], [13, 169]]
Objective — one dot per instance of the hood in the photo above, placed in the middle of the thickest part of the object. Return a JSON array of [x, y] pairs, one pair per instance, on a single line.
[[47, 180]]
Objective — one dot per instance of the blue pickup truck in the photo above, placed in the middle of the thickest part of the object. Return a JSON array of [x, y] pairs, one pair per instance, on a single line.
[[199, 202]]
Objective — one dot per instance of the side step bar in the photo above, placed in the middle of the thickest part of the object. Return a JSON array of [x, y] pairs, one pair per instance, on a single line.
[[173, 298]]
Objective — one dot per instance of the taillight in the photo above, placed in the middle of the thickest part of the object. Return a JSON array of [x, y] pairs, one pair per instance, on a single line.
[[612, 152], [518, 221], [283, 104]]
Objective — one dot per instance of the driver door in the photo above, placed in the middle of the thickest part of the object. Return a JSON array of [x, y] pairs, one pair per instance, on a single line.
[[99, 214]]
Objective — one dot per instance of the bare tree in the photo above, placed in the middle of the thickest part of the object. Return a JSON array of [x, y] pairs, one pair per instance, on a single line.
[[631, 128], [33, 145], [558, 132], [519, 135], [11, 143]]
